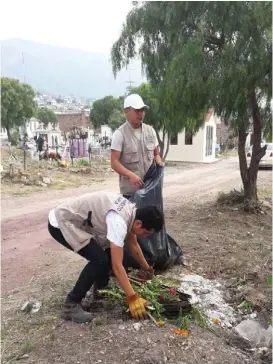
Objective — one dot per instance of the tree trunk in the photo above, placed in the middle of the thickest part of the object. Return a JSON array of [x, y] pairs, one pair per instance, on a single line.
[[161, 142], [8, 133], [249, 175], [250, 188]]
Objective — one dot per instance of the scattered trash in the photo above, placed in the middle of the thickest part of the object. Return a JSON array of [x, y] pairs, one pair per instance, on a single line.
[[160, 249], [207, 294], [31, 307], [253, 332]]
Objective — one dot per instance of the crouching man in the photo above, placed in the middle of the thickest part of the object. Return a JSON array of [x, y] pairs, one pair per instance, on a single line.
[[91, 223]]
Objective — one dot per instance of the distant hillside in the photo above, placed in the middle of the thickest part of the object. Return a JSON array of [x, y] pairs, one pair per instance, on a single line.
[[64, 71]]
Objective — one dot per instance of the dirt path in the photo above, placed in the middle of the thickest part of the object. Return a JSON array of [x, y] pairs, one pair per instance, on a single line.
[[27, 247], [219, 242]]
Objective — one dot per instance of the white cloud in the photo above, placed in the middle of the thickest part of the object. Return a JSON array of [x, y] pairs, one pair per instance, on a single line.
[[91, 25]]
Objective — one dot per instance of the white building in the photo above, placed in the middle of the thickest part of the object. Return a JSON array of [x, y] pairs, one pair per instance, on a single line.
[[199, 147], [30, 128], [105, 131]]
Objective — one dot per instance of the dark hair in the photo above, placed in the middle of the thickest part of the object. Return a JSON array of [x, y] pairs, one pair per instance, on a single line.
[[151, 218]]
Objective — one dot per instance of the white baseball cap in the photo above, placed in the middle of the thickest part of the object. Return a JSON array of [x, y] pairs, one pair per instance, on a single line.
[[134, 101]]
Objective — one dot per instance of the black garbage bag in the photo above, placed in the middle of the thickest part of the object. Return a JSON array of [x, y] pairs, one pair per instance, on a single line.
[[159, 249]]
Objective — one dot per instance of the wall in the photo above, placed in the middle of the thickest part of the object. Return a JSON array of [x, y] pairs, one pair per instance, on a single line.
[[196, 152], [67, 120], [187, 153]]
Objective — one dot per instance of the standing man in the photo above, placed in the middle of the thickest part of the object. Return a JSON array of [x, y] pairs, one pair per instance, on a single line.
[[134, 147]]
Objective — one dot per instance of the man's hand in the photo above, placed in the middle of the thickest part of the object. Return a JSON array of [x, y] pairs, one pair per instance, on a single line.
[[137, 306], [136, 181], [147, 273], [160, 163]]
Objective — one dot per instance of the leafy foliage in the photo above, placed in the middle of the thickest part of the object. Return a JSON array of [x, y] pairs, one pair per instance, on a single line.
[[46, 116], [102, 110], [17, 103], [116, 119]]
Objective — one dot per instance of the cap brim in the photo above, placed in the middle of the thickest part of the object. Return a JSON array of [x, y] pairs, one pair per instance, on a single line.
[[140, 106]]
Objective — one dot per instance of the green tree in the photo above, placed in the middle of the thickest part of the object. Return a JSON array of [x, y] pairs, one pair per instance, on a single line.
[[102, 110], [46, 116], [116, 119], [17, 104], [207, 54]]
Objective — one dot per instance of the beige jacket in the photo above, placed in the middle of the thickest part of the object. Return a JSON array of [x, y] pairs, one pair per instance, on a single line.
[[136, 155], [85, 217]]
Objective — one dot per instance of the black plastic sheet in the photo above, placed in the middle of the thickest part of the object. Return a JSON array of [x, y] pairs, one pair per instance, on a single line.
[[159, 249]]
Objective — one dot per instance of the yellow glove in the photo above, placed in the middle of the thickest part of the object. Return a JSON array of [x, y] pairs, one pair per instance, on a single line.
[[137, 306]]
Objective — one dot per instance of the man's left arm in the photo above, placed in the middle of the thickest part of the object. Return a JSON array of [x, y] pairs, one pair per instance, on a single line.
[[136, 252], [157, 157]]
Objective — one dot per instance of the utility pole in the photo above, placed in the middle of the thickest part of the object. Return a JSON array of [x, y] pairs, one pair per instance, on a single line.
[[129, 88]]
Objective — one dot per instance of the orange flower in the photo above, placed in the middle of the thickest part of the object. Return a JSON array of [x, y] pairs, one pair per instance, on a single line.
[[216, 321], [179, 332]]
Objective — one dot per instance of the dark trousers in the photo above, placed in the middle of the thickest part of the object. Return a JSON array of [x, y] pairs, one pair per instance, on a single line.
[[96, 270]]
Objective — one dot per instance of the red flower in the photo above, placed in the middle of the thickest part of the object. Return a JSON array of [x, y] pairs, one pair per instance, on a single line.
[[161, 298], [143, 281], [172, 291]]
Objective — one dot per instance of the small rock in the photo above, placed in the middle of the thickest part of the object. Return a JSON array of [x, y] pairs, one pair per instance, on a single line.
[[36, 307], [253, 315], [24, 179], [137, 326], [47, 180], [149, 341], [102, 352], [266, 338], [40, 183], [88, 294], [121, 327], [25, 356]]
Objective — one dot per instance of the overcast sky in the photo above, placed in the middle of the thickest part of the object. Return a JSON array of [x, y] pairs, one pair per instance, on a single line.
[[92, 25]]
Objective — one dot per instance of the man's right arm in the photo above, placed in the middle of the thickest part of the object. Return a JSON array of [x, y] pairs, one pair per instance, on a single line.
[[117, 166]]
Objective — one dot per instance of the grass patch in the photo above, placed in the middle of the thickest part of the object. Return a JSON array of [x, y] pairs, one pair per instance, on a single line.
[[265, 192], [26, 347], [233, 197]]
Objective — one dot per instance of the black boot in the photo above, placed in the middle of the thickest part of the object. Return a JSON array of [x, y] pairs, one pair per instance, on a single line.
[[73, 311]]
